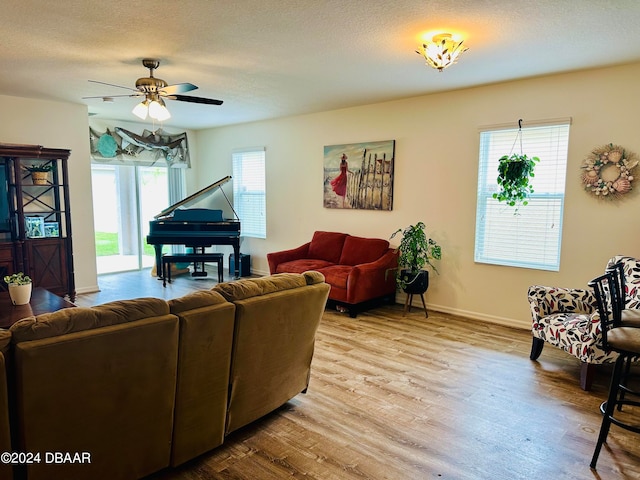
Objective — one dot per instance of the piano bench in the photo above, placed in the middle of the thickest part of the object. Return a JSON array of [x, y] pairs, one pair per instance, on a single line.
[[167, 260]]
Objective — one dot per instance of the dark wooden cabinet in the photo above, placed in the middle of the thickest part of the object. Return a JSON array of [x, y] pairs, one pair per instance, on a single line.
[[36, 238], [6, 262]]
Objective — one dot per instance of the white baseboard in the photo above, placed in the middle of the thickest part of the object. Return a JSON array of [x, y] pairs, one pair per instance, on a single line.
[[91, 289], [507, 322]]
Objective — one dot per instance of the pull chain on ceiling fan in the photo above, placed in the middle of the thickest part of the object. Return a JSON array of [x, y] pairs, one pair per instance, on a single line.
[[155, 90]]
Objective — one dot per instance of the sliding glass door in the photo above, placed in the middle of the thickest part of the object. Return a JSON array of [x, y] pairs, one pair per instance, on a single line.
[[125, 199]]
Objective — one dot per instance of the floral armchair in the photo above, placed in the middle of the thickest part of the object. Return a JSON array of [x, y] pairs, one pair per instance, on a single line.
[[567, 318]]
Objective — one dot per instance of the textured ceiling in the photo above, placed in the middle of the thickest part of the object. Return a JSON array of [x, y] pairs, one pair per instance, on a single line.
[[268, 58]]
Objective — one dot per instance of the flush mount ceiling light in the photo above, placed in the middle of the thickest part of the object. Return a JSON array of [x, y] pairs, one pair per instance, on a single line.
[[442, 51]]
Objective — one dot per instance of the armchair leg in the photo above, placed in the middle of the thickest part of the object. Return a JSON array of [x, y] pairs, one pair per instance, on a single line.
[[536, 348], [587, 372]]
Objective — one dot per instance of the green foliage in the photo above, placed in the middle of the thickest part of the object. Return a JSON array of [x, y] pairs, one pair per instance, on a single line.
[[107, 245], [41, 167], [17, 279], [514, 173], [416, 251]]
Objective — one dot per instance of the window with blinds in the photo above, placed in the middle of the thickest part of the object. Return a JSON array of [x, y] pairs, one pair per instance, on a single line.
[[249, 192], [529, 236]]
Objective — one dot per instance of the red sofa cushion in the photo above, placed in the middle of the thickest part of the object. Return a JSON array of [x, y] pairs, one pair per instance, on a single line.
[[302, 265], [327, 246], [358, 250], [337, 276]]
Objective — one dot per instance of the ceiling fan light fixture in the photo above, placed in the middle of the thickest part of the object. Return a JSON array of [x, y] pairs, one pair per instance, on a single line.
[[141, 110], [158, 110], [442, 52]]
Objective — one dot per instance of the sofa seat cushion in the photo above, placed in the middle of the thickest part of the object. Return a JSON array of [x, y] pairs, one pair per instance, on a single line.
[[327, 246], [337, 275], [359, 250], [303, 265]]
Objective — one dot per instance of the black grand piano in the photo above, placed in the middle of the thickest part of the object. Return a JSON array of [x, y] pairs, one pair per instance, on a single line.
[[195, 227]]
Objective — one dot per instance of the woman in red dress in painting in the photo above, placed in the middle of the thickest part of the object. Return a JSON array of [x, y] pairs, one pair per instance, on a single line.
[[339, 184]]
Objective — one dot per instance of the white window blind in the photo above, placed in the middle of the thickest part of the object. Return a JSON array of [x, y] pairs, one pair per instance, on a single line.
[[249, 192], [530, 236]]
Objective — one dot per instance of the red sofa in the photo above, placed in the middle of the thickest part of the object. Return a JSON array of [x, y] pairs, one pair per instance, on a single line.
[[359, 270]]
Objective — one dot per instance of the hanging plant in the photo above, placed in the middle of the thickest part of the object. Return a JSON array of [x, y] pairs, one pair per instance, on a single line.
[[514, 172]]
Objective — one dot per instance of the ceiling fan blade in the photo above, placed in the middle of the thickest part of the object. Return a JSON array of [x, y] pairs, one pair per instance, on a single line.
[[186, 98], [178, 88], [116, 96], [112, 85]]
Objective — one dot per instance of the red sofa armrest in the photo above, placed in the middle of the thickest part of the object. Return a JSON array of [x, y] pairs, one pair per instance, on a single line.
[[276, 258], [373, 279]]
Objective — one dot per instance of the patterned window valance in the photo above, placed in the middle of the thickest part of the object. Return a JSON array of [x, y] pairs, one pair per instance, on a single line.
[[127, 148]]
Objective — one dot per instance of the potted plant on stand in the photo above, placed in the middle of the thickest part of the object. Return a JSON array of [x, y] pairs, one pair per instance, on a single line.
[[19, 286], [416, 252], [40, 172]]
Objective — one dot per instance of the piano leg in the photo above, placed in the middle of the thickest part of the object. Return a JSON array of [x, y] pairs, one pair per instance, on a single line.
[[159, 270], [236, 263]]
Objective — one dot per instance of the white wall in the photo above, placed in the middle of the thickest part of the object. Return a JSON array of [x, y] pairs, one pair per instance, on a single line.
[[60, 125], [436, 164], [66, 125]]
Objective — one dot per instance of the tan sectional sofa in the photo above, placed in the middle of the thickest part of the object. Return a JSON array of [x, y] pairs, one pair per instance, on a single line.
[[143, 384], [6, 469]]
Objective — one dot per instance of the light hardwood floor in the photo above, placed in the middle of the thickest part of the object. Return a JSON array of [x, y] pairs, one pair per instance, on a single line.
[[395, 397]]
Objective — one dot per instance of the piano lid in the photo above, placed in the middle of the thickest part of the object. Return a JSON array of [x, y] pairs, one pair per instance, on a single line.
[[196, 197]]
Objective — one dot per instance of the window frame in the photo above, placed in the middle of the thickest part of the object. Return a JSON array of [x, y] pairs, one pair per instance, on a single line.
[[511, 239], [253, 223]]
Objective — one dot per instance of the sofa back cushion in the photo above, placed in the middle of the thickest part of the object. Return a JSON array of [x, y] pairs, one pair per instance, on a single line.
[[70, 320], [5, 341], [358, 250], [272, 349], [327, 246], [195, 300], [254, 287], [109, 391], [6, 470], [206, 337]]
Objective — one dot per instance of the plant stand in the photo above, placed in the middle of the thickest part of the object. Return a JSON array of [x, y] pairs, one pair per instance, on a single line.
[[407, 304]]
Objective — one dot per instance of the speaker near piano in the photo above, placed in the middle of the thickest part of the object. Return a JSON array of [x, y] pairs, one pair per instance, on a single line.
[[245, 264], [195, 227]]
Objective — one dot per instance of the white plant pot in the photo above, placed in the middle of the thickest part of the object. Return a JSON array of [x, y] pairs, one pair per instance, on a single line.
[[20, 294]]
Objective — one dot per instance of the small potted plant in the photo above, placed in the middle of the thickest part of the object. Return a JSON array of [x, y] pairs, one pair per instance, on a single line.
[[514, 172], [40, 172], [19, 286], [416, 252]]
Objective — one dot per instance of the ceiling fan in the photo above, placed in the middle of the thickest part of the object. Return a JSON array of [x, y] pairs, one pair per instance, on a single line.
[[155, 90]]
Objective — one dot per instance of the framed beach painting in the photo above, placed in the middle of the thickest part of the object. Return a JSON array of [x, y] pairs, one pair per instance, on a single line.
[[359, 175]]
